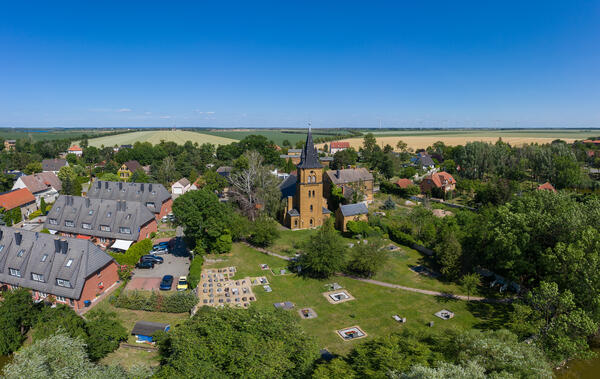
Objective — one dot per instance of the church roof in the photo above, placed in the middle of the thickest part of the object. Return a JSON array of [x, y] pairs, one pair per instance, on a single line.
[[309, 157]]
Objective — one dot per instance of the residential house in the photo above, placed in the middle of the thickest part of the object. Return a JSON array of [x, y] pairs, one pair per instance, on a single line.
[[305, 208], [44, 185], [336, 146], [127, 169], [423, 161], [350, 180], [350, 212], [180, 187], [53, 165], [9, 144], [326, 161], [75, 149], [293, 154], [20, 198], [546, 187], [153, 195], [438, 180], [404, 183], [102, 221], [72, 271]]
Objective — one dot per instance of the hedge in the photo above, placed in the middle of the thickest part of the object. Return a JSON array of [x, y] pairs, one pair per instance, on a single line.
[[155, 301], [134, 253], [195, 271]]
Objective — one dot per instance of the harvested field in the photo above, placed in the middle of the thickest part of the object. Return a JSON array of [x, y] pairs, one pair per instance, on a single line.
[[155, 136]]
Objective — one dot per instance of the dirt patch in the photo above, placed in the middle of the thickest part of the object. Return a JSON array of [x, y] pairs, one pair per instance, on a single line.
[[148, 284]]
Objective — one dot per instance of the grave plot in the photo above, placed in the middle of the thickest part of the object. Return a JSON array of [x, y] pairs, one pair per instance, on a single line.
[[264, 266], [307, 313], [338, 296], [352, 333], [260, 281], [285, 305], [445, 314], [280, 271], [218, 288]]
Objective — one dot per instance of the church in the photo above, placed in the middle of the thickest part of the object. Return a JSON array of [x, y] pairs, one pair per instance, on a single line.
[[305, 206]]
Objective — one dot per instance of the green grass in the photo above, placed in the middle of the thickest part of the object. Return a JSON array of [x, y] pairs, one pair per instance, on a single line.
[[155, 136], [48, 134], [289, 241], [277, 136], [372, 310], [127, 357]]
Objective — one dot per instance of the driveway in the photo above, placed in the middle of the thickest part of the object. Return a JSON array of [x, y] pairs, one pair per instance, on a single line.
[[176, 266]]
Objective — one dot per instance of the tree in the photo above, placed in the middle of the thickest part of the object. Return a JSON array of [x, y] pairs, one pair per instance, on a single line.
[[286, 143], [344, 158], [43, 206], [109, 177], [104, 333], [470, 282], [72, 159], [70, 184], [324, 253], [139, 176], [444, 370], [167, 172], [448, 253], [237, 343], [264, 231], [62, 318], [33, 167], [402, 146], [213, 181], [16, 317], [367, 258], [336, 197]]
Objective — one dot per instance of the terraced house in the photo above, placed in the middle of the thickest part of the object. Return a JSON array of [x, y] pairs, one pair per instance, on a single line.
[[72, 271], [153, 195], [108, 223]]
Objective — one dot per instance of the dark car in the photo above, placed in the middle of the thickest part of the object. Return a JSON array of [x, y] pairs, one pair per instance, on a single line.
[[151, 258], [145, 264], [166, 283]]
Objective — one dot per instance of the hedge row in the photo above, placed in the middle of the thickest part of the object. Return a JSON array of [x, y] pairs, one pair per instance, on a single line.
[[195, 271], [178, 302]]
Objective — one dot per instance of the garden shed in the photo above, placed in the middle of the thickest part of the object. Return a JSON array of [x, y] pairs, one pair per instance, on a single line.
[[143, 330]]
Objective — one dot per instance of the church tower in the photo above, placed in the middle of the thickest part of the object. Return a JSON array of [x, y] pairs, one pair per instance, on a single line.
[[307, 208]]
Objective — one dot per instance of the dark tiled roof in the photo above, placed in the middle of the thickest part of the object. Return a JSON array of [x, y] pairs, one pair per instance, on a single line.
[[184, 182], [349, 175], [142, 192], [53, 164], [288, 186], [309, 157], [354, 209], [132, 165], [148, 328], [326, 211], [114, 214], [423, 159], [48, 256]]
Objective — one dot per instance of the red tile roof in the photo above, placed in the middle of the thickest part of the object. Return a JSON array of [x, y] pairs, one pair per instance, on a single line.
[[442, 178], [547, 187], [41, 182], [16, 198], [75, 148], [404, 183], [339, 145]]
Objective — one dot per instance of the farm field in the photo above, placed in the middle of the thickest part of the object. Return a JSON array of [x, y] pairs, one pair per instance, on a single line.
[[372, 308], [551, 133], [277, 136], [155, 136], [49, 134]]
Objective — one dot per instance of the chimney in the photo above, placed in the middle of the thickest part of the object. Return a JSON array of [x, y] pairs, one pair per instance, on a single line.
[[142, 187], [18, 238], [120, 186], [87, 202], [150, 187], [64, 246], [105, 185], [57, 245], [337, 173]]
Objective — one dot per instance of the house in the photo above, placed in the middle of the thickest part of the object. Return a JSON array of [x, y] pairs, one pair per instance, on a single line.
[[20, 198], [180, 187], [326, 161], [439, 180], [75, 149], [143, 330], [72, 271], [546, 187], [336, 146], [127, 169], [350, 212], [224, 171], [292, 154], [9, 144], [404, 183], [153, 195], [53, 165], [350, 180], [43, 185], [305, 208], [102, 221], [423, 161]]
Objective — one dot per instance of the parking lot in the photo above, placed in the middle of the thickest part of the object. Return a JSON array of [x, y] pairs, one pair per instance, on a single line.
[[149, 279]]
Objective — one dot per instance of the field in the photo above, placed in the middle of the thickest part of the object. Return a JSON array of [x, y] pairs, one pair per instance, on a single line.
[[420, 139], [155, 136], [277, 136], [49, 134], [372, 308]]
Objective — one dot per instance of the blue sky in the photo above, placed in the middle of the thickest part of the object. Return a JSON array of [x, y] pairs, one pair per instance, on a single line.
[[338, 64]]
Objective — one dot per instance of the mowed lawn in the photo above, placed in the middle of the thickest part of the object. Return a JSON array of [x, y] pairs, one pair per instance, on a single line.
[[372, 308], [155, 136]]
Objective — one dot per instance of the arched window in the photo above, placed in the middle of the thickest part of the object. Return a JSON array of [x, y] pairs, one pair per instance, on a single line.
[[296, 223], [313, 193], [311, 208], [311, 222], [314, 178], [308, 193]]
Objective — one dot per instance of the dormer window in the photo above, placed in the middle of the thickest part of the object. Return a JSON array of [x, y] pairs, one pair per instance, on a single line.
[[37, 277], [53, 221], [91, 212], [20, 253], [1, 248], [109, 214], [128, 216], [63, 283], [124, 230], [44, 257], [153, 192], [14, 272], [105, 228], [69, 223], [85, 225], [150, 204], [69, 263]]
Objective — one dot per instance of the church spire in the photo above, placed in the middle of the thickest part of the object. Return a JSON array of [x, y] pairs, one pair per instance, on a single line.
[[309, 157]]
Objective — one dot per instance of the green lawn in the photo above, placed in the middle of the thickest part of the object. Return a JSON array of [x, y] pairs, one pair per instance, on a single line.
[[372, 310], [289, 241]]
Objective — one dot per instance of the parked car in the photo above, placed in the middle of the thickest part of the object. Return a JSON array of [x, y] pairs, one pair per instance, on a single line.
[[182, 284], [152, 258], [159, 251], [145, 264], [164, 219], [166, 283]]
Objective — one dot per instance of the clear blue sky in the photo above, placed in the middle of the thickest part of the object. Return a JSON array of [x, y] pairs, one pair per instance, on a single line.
[[251, 64]]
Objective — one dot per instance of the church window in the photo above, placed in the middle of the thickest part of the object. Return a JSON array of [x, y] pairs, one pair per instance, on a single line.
[[311, 208]]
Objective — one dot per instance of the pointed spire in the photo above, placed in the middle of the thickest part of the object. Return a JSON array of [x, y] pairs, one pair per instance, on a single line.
[[309, 157]]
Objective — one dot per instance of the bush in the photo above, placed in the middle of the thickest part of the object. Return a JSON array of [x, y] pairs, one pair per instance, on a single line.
[[35, 214], [153, 234], [178, 302], [264, 231], [401, 237], [195, 271], [134, 253]]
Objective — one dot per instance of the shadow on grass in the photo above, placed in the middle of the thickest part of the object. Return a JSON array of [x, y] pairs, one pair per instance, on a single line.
[[492, 315]]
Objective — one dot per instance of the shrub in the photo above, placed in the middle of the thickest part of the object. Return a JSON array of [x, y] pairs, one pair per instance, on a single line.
[[35, 214], [264, 231], [134, 253], [401, 237], [195, 271], [178, 302], [153, 234]]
